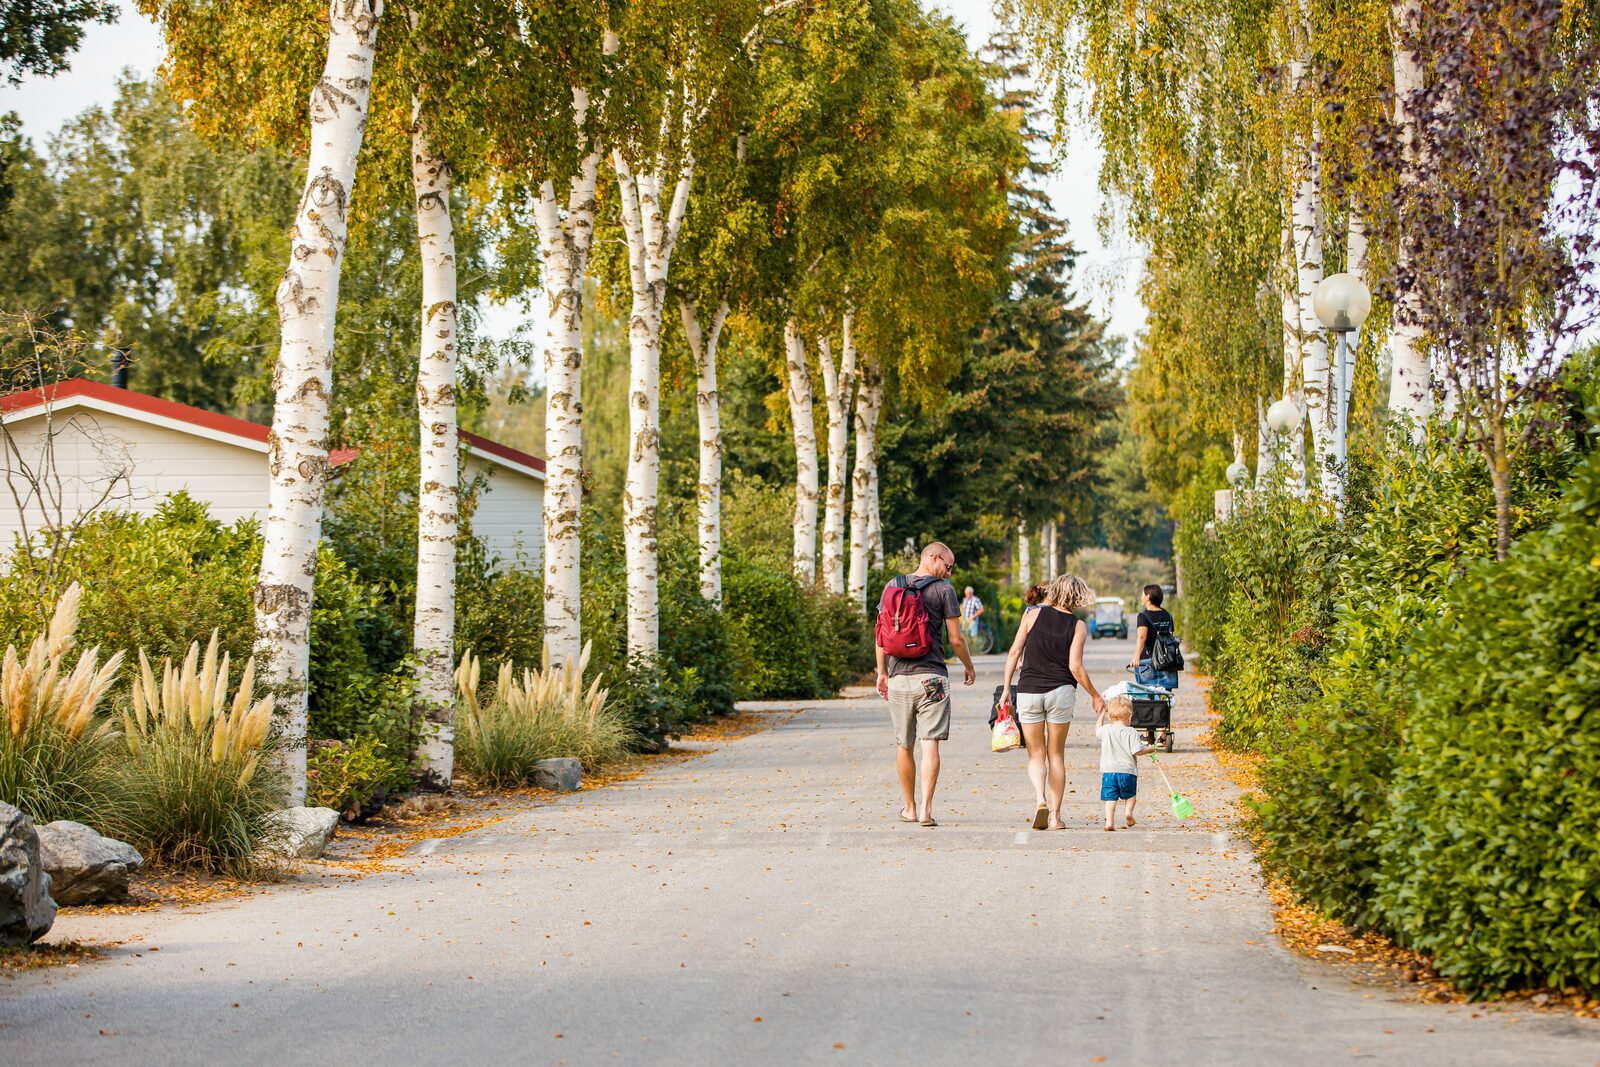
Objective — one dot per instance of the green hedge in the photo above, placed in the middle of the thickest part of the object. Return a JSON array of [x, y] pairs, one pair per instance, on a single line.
[[1422, 709], [1490, 847]]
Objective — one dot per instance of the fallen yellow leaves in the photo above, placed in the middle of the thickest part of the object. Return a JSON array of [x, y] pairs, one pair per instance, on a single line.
[[34, 957]]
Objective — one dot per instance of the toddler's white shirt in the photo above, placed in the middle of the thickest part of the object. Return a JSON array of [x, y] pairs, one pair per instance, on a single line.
[[1118, 743]]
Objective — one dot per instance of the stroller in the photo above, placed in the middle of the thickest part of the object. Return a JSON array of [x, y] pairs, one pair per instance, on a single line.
[[1152, 713]]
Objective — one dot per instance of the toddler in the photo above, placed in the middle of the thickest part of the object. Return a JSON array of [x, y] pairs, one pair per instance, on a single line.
[[1120, 747]]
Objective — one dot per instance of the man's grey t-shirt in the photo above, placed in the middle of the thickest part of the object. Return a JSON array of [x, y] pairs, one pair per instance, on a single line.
[[940, 601]]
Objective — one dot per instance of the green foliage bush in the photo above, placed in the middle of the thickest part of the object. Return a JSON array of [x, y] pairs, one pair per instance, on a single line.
[[348, 776], [767, 610], [1491, 841], [1421, 707]]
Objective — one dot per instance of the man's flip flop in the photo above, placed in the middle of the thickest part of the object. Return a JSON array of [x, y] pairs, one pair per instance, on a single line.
[[1041, 818], [903, 817], [929, 822]]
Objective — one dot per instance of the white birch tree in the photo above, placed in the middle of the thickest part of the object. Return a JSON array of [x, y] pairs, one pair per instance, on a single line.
[[838, 383], [804, 428], [308, 301], [565, 240], [1024, 556], [703, 344], [868, 407], [1410, 379], [1306, 221], [438, 509]]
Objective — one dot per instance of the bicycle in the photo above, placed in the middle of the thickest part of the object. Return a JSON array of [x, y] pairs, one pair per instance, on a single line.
[[980, 639]]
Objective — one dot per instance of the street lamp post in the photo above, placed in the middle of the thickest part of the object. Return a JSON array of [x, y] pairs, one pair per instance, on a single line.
[[1342, 303]]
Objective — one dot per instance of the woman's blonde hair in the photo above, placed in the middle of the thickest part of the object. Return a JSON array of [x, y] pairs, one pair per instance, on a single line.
[[1069, 593]]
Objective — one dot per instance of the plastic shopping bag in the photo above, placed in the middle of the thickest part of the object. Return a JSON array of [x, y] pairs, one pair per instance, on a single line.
[[1005, 735]]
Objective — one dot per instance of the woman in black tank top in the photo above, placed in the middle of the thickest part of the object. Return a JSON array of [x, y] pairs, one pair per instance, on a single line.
[[1047, 689]]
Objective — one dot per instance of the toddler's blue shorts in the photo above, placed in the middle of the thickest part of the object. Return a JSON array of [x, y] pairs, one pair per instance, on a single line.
[[1118, 786]]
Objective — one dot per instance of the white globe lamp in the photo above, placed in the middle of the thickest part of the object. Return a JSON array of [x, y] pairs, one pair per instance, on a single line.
[[1238, 473], [1342, 302], [1283, 415]]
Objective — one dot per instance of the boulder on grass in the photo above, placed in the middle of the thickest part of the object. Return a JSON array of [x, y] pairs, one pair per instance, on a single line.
[[26, 910], [563, 774], [301, 833], [84, 867]]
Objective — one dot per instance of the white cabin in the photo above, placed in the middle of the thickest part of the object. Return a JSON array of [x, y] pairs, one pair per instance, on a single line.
[[118, 449]]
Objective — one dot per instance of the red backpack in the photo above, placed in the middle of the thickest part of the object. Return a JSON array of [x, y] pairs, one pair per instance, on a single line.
[[904, 629]]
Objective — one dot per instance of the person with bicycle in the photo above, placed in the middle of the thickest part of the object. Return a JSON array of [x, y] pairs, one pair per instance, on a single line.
[[972, 627]]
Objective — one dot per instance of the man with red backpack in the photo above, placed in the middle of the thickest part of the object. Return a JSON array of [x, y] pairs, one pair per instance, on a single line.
[[915, 614]]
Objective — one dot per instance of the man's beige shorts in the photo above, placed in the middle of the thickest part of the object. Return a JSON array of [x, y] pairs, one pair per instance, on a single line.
[[916, 713]]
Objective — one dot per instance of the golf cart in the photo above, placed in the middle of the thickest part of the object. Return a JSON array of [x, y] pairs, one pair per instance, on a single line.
[[1108, 619]]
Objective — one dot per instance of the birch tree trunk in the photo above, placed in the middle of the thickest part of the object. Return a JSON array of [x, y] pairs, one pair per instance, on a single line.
[[838, 381], [1306, 215], [1292, 444], [869, 400], [564, 244], [308, 300], [805, 454], [1410, 377], [437, 508], [708, 405], [874, 515], [1050, 551], [1024, 557], [651, 229]]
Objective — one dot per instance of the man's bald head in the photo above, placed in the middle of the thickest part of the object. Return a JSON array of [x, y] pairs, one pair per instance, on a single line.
[[937, 559]]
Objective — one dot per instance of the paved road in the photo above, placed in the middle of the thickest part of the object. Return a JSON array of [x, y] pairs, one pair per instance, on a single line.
[[762, 905]]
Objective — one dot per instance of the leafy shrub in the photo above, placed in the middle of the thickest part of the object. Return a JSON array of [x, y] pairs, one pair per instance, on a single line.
[[842, 641], [1489, 849], [152, 582], [655, 699], [201, 782], [1416, 517], [767, 610], [350, 776], [531, 716], [53, 755], [1202, 611], [500, 614]]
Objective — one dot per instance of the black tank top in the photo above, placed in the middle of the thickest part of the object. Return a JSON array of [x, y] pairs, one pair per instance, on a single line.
[[1047, 657]]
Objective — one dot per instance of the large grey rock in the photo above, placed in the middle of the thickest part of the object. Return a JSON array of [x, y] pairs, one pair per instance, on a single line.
[[301, 833], [84, 867], [563, 774], [26, 910]]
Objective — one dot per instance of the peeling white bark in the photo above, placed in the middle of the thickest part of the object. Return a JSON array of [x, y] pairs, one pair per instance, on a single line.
[[838, 382], [308, 300], [1024, 556], [1307, 221], [1290, 449], [1410, 376], [869, 404], [564, 244], [805, 454], [708, 405], [651, 229], [437, 506]]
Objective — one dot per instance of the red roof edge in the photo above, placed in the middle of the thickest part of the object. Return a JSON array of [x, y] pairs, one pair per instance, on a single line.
[[495, 448], [171, 409]]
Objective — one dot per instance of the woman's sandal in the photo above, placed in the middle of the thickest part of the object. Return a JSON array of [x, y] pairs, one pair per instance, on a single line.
[[929, 821], [1055, 822], [1041, 817]]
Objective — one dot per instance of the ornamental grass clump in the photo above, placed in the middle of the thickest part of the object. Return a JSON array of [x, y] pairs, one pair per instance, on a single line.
[[533, 716], [201, 783], [53, 753]]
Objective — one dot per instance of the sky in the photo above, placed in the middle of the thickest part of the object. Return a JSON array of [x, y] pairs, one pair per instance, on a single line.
[[1108, 273]]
